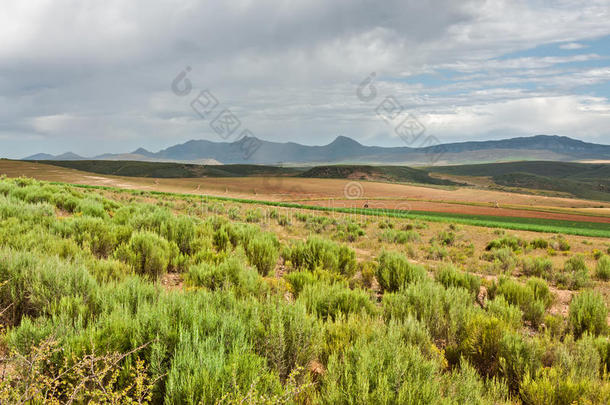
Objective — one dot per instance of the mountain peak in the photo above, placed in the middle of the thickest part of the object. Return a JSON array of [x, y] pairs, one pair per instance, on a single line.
[[142, 152], [345, 141]]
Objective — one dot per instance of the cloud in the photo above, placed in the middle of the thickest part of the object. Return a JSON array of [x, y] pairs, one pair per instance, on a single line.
[[572, 46], [101, 71]]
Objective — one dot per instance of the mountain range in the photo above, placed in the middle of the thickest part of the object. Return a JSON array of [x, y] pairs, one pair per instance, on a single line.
[[345, 150]]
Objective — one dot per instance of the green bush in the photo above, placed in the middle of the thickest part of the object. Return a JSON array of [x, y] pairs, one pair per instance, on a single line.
[[575, 274], [532, 298], [381, 369], [349, 231], [560, 243], [298, 280], [228, 274], [221, 239], [551, 386], [33, 286], [588, 313], [263, 252], [514, 243], [287, 336], [537, 266], [500, 308], [148, 254], [92, 208], [449, 276], [318, 252], [519, 357], [575, 264], [402, 237], [442, 310], [329, 301], [503, 258], [602, 271], [254, 215], [436, 252], [445, 238], [395, 271], [539, 243], [99, 236], [109, 270]]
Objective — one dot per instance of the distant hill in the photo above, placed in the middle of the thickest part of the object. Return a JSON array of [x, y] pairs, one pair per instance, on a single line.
[[582, 180], [348, 151], [171, 169], [394, 174]]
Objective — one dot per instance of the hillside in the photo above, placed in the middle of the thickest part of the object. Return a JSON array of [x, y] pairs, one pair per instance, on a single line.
[[170, 170], [392, 174], [400, 174], [582, 180]]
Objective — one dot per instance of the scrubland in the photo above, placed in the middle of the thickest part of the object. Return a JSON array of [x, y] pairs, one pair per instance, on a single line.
[[111, 296]]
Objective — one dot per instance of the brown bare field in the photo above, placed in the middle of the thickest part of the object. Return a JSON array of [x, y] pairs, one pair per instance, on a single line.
[[326, 192]]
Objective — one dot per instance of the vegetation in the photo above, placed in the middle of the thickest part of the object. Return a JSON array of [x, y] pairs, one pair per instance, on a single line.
[[109, 297]]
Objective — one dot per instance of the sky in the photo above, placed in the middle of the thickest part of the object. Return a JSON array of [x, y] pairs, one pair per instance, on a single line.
[[95, 77]]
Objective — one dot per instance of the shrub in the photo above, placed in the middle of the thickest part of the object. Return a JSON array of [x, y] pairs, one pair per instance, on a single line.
[[451, 277], [436, 252], [254, 215], [514, 243], [482, 342], [91, 207], [230, 273], [532, 298], [395, 271], [100, 236], [367, 272], [602, 271], [349, 231], [588, 313], [283, 220], [381, 369], [346, 261], [329, 301], [33, 286], [537, 266], [539, 243], [287, 336], [575, 264], [503, 258], [519, 357], [263, 252], [445, 238], [560, 243], [442, 310], [221, 239], [402, 237], [148, 254], [541, 290], [109, 270], [298, 280], [551, 386], [502, 309], [575, 274], [318, 252]]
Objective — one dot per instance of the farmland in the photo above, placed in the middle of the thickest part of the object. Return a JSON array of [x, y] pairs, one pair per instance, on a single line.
[[182, 291]]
